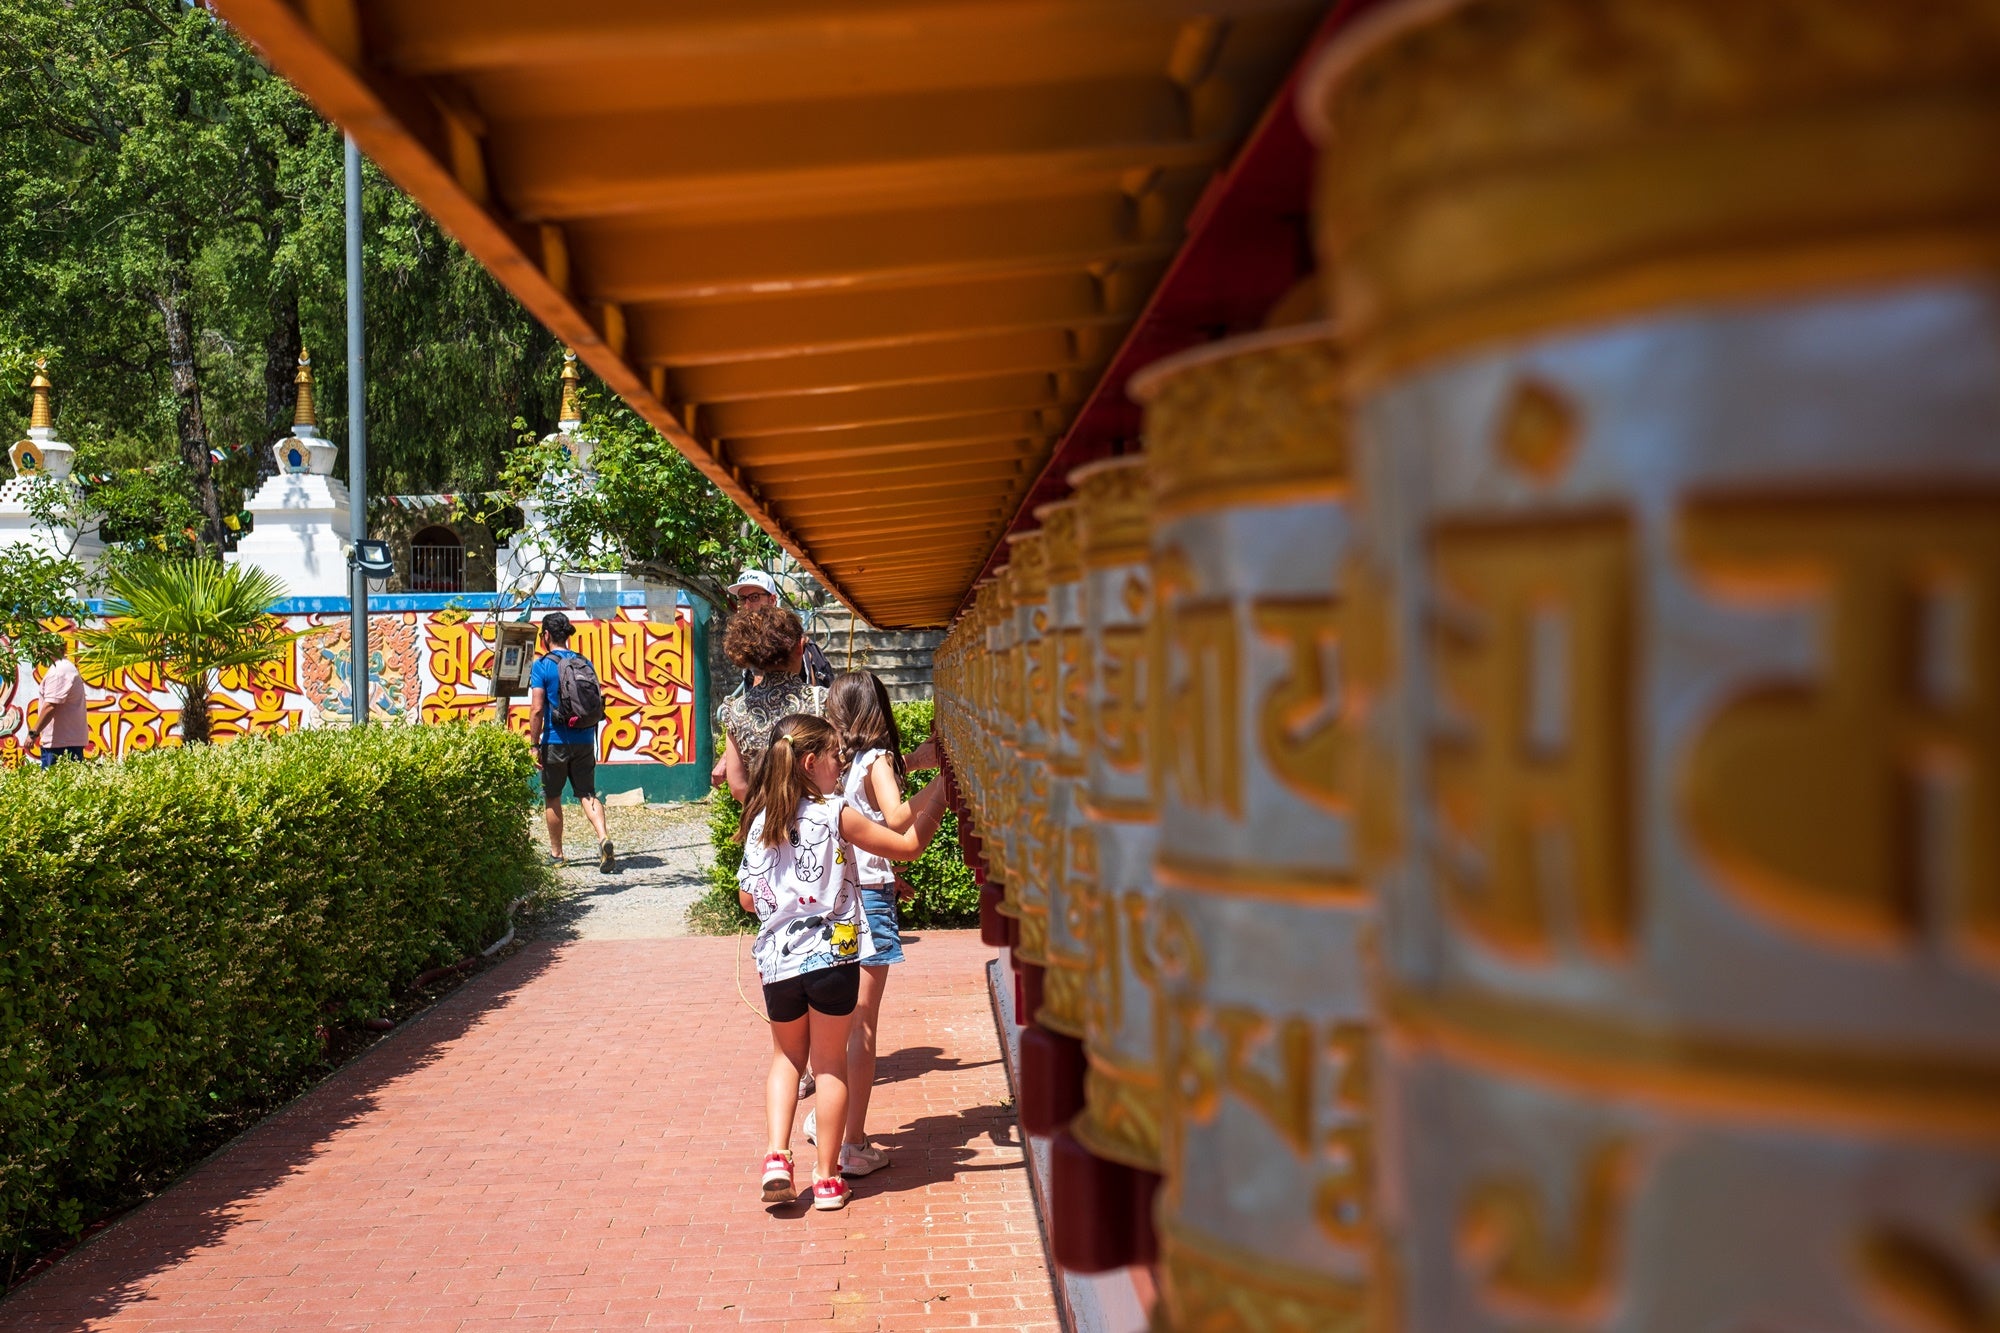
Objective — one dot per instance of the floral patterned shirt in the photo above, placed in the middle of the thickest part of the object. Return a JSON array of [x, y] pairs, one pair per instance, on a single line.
[[748, 717]]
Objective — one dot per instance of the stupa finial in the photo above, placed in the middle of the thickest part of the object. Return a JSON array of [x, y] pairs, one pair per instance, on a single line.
[[571, 410], [304, 414], [39, 415]]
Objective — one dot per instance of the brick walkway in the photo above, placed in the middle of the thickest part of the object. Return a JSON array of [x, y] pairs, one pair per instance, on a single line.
[[571, 1142]]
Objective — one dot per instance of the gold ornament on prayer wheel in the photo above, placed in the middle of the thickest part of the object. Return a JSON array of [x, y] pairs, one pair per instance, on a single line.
[[1677, 567], [1069, 876], [1122, 1094], [1266, 1217]]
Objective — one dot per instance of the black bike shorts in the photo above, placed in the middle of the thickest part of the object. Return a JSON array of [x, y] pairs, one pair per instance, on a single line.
[[833, 991]]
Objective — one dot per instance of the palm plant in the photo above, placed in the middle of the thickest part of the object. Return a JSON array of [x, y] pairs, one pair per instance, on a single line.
[[191, 619]]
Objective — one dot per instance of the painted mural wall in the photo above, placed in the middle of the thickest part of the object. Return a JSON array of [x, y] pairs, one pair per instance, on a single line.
[[429, 664]]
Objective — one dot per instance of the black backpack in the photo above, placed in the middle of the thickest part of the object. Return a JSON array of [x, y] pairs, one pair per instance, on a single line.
[[579, 700]]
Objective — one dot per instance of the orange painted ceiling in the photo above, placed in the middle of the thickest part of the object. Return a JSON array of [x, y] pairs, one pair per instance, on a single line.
[[861, 260]]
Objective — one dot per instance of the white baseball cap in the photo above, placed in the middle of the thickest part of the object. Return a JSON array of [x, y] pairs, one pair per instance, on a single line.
[[755, 578]]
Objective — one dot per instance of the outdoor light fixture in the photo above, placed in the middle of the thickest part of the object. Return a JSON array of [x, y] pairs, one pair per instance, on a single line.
[[372, 558]]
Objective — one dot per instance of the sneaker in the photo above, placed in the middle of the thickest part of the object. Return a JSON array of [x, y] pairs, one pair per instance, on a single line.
[[606, 863], [812, 1127], [830, 1194], [806, 1085], [860, 1159], [778, 1186], [556, 859]]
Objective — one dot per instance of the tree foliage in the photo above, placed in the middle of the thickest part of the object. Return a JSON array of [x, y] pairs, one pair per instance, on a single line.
[[642, 508], [190, 619], [34, 588], [151, 169]]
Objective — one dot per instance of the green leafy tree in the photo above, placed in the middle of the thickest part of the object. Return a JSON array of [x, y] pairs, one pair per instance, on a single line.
[[123, 156], [646, 510], [35, 587], [190, 619]]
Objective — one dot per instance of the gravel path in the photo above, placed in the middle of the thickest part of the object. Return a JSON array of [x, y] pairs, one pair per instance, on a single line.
[[663, 860]]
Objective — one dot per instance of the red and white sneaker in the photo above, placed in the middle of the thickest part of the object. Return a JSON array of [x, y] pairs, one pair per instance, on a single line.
[[778, 1186], [830, 1194]]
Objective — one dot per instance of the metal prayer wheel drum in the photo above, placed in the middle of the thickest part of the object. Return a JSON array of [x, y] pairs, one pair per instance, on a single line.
[[1678, 544], [1123, 1097], [1001, 770], [1266, 1216], [1069, 878], [1027, 784]]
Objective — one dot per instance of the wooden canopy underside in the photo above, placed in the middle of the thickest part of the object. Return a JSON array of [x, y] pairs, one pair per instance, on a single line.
[[861, 260]]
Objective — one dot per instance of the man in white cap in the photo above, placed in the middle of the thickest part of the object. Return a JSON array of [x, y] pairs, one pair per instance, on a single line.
[[754, 587]]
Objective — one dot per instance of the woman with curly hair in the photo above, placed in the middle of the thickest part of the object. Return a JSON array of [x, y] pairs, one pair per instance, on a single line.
[[769, 640]]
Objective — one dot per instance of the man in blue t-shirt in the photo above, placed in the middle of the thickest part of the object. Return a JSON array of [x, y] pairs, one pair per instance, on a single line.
[[567, 754]]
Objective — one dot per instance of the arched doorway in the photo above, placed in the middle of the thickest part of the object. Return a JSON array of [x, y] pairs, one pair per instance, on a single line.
[[437, 561]]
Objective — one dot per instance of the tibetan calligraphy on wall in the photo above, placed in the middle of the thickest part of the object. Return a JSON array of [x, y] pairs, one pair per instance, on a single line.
[[423, 666]]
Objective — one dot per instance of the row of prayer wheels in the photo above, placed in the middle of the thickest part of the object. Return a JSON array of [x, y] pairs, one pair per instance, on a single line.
[[1496, 806]]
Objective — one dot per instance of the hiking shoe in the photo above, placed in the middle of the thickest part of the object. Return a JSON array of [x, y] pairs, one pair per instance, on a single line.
[[556, 858], [812, 1127], [806, 1085], [831, 1194], [860, 1159], [778, 1187], [605, 861]]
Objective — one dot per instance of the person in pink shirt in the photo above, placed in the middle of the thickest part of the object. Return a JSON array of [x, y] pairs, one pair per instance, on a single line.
[[63, 731]]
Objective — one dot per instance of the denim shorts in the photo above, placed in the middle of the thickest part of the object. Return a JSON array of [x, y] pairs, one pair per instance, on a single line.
[[879, 901]]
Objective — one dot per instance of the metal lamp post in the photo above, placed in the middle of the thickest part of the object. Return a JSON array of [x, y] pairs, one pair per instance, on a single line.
[[357, 443]]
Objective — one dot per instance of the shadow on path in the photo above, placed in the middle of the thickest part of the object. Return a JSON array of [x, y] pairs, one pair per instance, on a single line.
[[933, 1149], [913, 1062], [113, 1270]]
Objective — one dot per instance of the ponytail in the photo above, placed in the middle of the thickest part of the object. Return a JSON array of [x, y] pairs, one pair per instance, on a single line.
[[779, 783], [857, 704]]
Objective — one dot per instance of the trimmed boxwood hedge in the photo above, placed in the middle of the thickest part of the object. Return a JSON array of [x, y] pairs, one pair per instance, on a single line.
[[181, 930], [945, 897]]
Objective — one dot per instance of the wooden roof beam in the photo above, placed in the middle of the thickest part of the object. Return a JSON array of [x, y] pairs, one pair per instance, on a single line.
[[789, 157], [626, 261], [446, 36], [933, 480], [841, 408], [919, 363], [1008, 435], [794, 323]]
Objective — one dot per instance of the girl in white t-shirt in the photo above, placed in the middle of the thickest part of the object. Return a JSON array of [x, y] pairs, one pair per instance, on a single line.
[[858, 707], [799, 835]]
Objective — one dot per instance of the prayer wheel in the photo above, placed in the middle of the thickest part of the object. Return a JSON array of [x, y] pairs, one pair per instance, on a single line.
[[1106, 1175], [1121, 1118], [1676, 609], [1266, 1214], [1027, 782], [1003, 698], [1068, 881]]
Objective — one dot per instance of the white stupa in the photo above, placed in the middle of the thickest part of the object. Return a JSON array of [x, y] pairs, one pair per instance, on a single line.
[[300, 517], [40, 455], [523, 566]]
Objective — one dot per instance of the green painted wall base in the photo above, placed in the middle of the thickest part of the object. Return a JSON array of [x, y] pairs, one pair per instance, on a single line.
[[660, 782]]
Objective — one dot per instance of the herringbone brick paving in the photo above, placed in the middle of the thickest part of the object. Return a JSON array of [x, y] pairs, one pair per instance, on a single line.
[[570, 1142]]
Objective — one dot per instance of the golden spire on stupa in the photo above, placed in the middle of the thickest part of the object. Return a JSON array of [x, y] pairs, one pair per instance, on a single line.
[[570, 410], [41, 451], [39, 416], [304, 414]]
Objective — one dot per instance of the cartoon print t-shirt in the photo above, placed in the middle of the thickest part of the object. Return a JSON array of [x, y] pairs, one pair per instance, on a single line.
[[811, 915], [866, 867]]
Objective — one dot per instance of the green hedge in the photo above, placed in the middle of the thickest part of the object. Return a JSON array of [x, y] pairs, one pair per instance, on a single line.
[[945, 895], [181, 926]]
